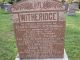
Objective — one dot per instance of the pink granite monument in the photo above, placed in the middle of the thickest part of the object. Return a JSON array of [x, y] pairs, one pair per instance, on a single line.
[[39, 27]]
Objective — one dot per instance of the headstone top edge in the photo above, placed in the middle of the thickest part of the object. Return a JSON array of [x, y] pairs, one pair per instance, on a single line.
[[32, 0], [24, 2]]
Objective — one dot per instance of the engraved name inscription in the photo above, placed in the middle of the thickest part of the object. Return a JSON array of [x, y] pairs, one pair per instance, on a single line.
[[39, 16]]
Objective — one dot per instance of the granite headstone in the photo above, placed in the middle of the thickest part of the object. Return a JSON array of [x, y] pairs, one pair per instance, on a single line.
[[39, 27]]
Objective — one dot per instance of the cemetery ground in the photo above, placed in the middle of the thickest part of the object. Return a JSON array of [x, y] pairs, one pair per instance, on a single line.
[[8, 48]]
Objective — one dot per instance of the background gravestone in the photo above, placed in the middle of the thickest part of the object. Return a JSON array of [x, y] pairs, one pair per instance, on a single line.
[[7, 7], [40, 28], [73, 7]]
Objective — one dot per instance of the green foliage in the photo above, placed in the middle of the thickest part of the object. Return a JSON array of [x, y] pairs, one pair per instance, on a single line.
[[4, 1], [9, 1]]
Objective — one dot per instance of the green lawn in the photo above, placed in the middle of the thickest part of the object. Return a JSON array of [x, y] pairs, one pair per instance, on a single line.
[[72, 38], [8, 49], [7, 40]]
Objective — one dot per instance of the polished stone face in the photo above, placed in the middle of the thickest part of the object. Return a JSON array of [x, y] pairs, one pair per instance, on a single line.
[[39, 27]]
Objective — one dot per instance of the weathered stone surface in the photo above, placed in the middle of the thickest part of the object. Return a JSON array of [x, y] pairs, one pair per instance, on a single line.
[[40, 28], [65, 58]]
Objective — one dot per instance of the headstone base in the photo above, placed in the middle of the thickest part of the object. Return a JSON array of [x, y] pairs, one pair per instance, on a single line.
[[65, 58]]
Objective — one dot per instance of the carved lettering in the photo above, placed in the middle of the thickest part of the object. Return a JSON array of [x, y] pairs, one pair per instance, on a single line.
[[32, 17]]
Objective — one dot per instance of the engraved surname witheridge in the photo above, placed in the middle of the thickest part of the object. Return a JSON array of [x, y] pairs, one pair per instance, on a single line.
[[40, 16]]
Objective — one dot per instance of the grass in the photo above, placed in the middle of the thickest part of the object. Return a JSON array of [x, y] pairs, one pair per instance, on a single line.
[[7, 40], [72, 38], [8, 48]]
